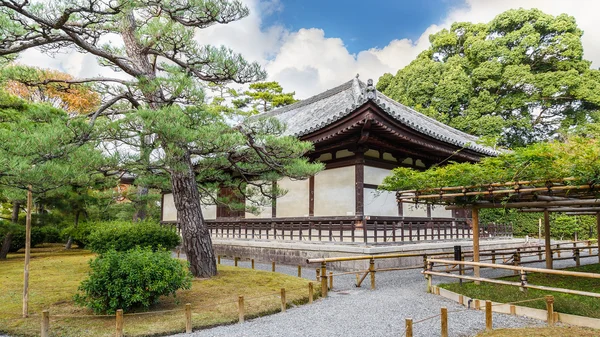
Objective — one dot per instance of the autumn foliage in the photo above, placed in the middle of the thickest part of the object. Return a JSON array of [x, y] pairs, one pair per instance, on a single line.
[[73, 98]]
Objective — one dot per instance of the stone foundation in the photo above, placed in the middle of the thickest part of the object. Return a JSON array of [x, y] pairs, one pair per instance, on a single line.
[[295, 253]]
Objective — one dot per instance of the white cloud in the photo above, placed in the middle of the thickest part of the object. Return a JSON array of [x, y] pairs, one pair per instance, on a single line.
[[307, 62]]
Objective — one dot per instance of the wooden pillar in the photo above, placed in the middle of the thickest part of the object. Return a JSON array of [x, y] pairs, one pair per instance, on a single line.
[[475, 215], [311, 196], [359, 171], [598, 233], [27, 253], [547, 239]]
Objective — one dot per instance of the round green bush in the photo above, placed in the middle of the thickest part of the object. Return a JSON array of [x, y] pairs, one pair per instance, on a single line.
[[123, 236], [132, 279]]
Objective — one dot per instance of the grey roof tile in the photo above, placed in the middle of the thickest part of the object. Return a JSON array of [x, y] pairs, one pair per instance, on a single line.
[[316, 112]]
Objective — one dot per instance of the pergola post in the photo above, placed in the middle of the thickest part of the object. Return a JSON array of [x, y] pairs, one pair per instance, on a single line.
[[547, 239], [598, 233], [475, 216]]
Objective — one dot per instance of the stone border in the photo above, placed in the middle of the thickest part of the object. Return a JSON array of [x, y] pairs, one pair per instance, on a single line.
[[507, 308]]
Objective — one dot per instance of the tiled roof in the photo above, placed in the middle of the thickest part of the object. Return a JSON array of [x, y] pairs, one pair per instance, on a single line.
[[317, 112]]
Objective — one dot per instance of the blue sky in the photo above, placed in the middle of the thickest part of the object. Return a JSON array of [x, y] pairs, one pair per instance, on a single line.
[[363, 24]]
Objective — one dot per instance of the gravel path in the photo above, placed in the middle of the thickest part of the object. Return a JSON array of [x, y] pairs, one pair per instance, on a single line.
[[351, 311]]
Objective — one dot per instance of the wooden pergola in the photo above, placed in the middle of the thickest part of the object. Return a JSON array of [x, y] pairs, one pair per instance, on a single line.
[[564, 195]]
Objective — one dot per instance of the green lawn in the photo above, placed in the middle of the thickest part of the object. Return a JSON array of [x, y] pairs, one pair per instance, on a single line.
[[55, 275], [564, 303]]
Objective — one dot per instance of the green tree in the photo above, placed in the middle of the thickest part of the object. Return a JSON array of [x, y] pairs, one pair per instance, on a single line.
[[265, 96], [515, 80], [152, 42], [41, 147]]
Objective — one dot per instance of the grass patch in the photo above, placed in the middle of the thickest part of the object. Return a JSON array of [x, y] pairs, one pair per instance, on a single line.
[[564, 303], [55, 275], [542, 332]]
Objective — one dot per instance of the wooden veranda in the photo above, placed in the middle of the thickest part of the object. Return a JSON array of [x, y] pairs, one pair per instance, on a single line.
[[562, 195]]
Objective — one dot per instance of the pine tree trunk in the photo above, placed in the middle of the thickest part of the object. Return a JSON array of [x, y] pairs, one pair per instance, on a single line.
[[8, 237], [5, 245], [196, 236]]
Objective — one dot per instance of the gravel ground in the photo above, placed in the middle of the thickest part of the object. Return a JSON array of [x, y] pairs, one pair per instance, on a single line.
[[351, 311]]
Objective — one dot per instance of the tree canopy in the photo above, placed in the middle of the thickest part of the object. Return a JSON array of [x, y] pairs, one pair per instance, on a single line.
[[518, 79], [156, 100], [576, 157], [264, 96]]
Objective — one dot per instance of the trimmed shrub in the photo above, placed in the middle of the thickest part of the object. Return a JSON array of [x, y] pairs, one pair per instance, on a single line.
[[50, 234], [81, 233], [123, 236], [136, 278]]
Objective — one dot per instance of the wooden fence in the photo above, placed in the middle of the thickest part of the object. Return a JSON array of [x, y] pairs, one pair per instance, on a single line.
[[352, 229], [507, 258]]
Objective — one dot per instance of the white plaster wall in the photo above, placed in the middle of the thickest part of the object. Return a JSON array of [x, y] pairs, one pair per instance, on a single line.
[[440, 211], [375, 175], [169, 212], [412, 210], [380, 203], [295, 202], [209, 212], [335, 192]]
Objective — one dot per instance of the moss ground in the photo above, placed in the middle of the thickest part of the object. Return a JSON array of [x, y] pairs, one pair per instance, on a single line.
[[564, 303], [55, 275]]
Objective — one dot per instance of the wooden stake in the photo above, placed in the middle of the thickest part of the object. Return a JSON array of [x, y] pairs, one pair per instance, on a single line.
[[550, 310], [27, 253], [252, 261], [318, 272], [323, 279], [119, 323], [241, 309], [493, 256], [273, 266], [372, 271], [330, 280], [488, 315], [45, 323], [598, 233], [444, 321], [299, 271], [547, 240], [310, 293], [283, 301], [513, 309], [558, 250], [477, 305], [218, 259], [409, 327], [475, 215], [461, 299], [188, 318], [235, 261]]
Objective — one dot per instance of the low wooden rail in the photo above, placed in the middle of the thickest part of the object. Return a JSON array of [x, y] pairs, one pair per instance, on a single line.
[[514, 262], [371, 229], [520, 269]]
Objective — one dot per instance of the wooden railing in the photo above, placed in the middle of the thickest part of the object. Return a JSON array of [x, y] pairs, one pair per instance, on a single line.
[[499, 257], [352, 229]]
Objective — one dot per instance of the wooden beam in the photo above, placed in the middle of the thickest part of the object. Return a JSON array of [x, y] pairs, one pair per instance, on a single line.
[[27, 253], [562, 209], [539, 204], [475, 217], [547, 240]]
